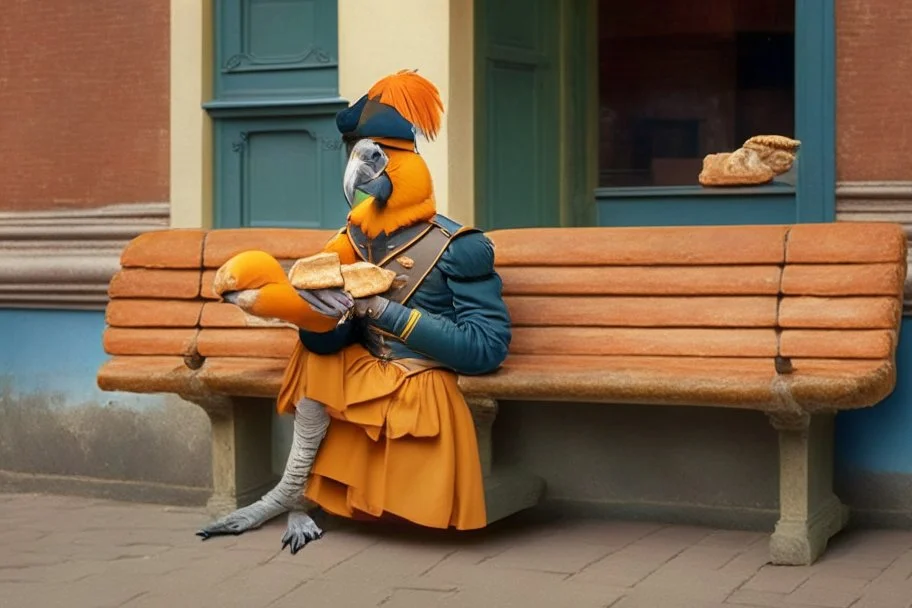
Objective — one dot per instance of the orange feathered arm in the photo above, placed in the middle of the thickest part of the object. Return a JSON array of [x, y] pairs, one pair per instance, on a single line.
[[266, 291]]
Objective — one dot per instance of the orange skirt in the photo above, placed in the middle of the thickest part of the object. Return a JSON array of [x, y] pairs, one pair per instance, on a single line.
[[398, 443]]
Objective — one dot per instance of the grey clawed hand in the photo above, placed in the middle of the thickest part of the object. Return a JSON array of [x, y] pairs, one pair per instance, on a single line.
[[333, 303]]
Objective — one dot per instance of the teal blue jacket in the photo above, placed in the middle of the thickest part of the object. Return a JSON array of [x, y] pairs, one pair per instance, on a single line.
[[463, 325]]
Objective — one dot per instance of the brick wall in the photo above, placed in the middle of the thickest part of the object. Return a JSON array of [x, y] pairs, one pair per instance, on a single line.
[[874, 98], [84, 91]]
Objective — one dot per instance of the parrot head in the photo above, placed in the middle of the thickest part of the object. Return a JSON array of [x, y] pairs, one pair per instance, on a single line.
[[386, 181]]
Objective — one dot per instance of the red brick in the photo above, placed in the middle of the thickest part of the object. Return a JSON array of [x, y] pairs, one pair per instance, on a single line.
[[84, 103], [873, 55]]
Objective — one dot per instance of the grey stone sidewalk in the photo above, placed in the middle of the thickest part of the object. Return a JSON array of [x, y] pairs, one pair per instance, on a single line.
[[73, 552]]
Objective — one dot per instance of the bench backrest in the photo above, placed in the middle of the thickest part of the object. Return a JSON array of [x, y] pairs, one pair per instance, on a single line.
[[808, 291], [824, 291]]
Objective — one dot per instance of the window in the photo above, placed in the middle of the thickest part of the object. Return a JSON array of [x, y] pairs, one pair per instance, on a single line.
[[679, 80]]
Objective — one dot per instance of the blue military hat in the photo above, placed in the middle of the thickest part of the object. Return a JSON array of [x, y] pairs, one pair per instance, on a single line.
[[371, 118]]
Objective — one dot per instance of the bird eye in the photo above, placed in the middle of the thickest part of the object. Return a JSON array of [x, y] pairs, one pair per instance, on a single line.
[[375, 155]]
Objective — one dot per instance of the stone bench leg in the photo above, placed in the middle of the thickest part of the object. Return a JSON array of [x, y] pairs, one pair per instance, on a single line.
[[506, 491], [241, 450], [809, 511]]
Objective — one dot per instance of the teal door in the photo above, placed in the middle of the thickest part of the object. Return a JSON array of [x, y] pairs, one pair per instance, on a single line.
[[278, 158], [517, 168]]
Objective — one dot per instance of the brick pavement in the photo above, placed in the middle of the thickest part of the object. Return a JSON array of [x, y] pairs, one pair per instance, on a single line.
[[75, 552]]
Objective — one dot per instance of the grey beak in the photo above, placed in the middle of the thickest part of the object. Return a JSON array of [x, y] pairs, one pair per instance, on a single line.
[[365, 163]]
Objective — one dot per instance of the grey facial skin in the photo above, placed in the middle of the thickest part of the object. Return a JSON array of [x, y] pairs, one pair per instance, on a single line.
[[366, 163]]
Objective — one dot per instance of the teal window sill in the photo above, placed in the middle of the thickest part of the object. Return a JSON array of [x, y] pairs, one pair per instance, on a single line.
[[696, 205]]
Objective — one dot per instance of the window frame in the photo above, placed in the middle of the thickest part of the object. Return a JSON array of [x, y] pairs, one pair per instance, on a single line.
[[814, 195]]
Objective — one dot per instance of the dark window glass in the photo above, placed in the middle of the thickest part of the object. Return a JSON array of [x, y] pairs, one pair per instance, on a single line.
[[680, 79]]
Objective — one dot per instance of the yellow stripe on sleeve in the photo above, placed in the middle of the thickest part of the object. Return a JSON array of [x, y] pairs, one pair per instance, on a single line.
[[410, 325]]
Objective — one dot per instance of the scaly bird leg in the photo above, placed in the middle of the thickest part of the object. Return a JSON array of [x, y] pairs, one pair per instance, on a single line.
[[311, 422]]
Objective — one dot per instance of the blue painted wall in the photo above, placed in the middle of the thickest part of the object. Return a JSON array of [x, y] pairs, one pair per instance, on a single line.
[[58, 351], [54, 351], [56, 424], [879, 439]]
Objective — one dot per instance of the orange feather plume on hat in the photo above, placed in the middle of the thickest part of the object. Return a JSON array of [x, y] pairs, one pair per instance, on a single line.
[[414, 97]]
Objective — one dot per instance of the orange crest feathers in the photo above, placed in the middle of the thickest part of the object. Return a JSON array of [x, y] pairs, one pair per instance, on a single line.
[[414, 97]]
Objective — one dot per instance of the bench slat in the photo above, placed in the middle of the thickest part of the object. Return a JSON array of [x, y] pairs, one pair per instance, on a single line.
[[723, 382], [838, 344], [641, 280], [161, 284], [224, 315], [128, 341], [716, 382], [288, 243], [652, 246], [246, 377], [145, 375], [809, 312], [531, 311], [260, 342], [846, 242], [843, 280], [206, 283], [153, 313], [644, 341], [172, 248]]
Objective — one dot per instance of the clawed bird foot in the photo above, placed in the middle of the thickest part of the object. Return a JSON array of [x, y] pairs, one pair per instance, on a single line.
[[235, 523], [222, 528], [301, 530]]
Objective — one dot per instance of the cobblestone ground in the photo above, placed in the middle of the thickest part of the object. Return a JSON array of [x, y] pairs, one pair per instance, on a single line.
[[74, 552]]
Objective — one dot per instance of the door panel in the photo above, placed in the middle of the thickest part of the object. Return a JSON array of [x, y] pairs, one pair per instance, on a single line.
[[279, 172], [278, 155], [517, 156]]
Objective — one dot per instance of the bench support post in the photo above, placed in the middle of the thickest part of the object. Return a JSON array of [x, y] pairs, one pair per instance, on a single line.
[[507, 491], [241, 451], [809, 512]]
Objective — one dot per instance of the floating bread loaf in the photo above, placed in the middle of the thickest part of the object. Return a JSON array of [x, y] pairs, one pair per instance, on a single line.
[[323, 271]]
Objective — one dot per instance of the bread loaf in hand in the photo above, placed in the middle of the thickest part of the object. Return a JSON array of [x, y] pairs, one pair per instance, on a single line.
[[323, 271]]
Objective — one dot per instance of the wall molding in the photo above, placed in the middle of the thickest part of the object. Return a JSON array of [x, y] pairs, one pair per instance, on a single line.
[[64, 259], [883, 201]]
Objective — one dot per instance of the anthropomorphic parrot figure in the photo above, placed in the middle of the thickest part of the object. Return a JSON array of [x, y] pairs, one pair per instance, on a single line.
[[381, 429]]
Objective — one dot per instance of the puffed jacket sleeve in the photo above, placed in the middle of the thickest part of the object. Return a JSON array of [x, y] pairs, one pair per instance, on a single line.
[[475, 341]]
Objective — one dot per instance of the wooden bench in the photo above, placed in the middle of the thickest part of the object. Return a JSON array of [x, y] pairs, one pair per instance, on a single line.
[[799, 322]]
